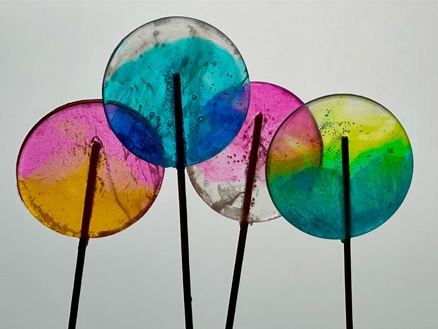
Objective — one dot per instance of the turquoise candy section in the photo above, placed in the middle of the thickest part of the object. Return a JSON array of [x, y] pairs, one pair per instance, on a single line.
[[304, 166], [312, 199], [138, 98]]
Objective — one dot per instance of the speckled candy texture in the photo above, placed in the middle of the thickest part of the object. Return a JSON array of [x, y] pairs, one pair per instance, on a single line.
[[52, 172], [304, 166]]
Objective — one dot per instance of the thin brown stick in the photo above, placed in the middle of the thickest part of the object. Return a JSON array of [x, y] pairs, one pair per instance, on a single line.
[[244, 220]]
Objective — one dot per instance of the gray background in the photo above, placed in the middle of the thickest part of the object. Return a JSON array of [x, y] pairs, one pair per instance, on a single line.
[[54, 53]]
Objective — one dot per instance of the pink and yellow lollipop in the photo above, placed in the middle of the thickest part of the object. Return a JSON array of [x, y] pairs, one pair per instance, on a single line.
[[53, 165], [76, 178]]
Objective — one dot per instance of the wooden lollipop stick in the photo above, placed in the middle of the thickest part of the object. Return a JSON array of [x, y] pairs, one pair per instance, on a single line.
[[180, 167], [347, 241], [244, 220], [83, 241]]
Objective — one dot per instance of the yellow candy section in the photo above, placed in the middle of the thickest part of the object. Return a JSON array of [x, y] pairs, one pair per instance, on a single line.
[[56, 198], [371, 129]]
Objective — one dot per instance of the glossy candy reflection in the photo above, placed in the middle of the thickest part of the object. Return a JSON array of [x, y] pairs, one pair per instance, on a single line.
[[221, 180], [138, 90], [304, 166], [52, 172]]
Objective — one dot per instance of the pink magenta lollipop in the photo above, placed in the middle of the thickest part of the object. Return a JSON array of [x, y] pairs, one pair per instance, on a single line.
[[233, 182], [53, 165], [221, 180]]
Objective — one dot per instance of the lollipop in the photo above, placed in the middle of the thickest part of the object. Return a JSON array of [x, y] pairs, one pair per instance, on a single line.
[[339, 167], [138, 90], [176, 92], [233, 182], [77, 179]]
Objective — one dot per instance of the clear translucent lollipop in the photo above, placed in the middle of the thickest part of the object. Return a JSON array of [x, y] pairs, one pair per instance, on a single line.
[[176, 92], [138, 90]]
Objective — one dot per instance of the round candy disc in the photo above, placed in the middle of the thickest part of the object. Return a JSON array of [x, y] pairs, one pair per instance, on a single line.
[[52, 172], [138, 90], [221, 180], [304, 166]]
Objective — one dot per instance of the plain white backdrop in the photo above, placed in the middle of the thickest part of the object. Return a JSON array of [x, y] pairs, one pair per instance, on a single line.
[[52, 53]]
